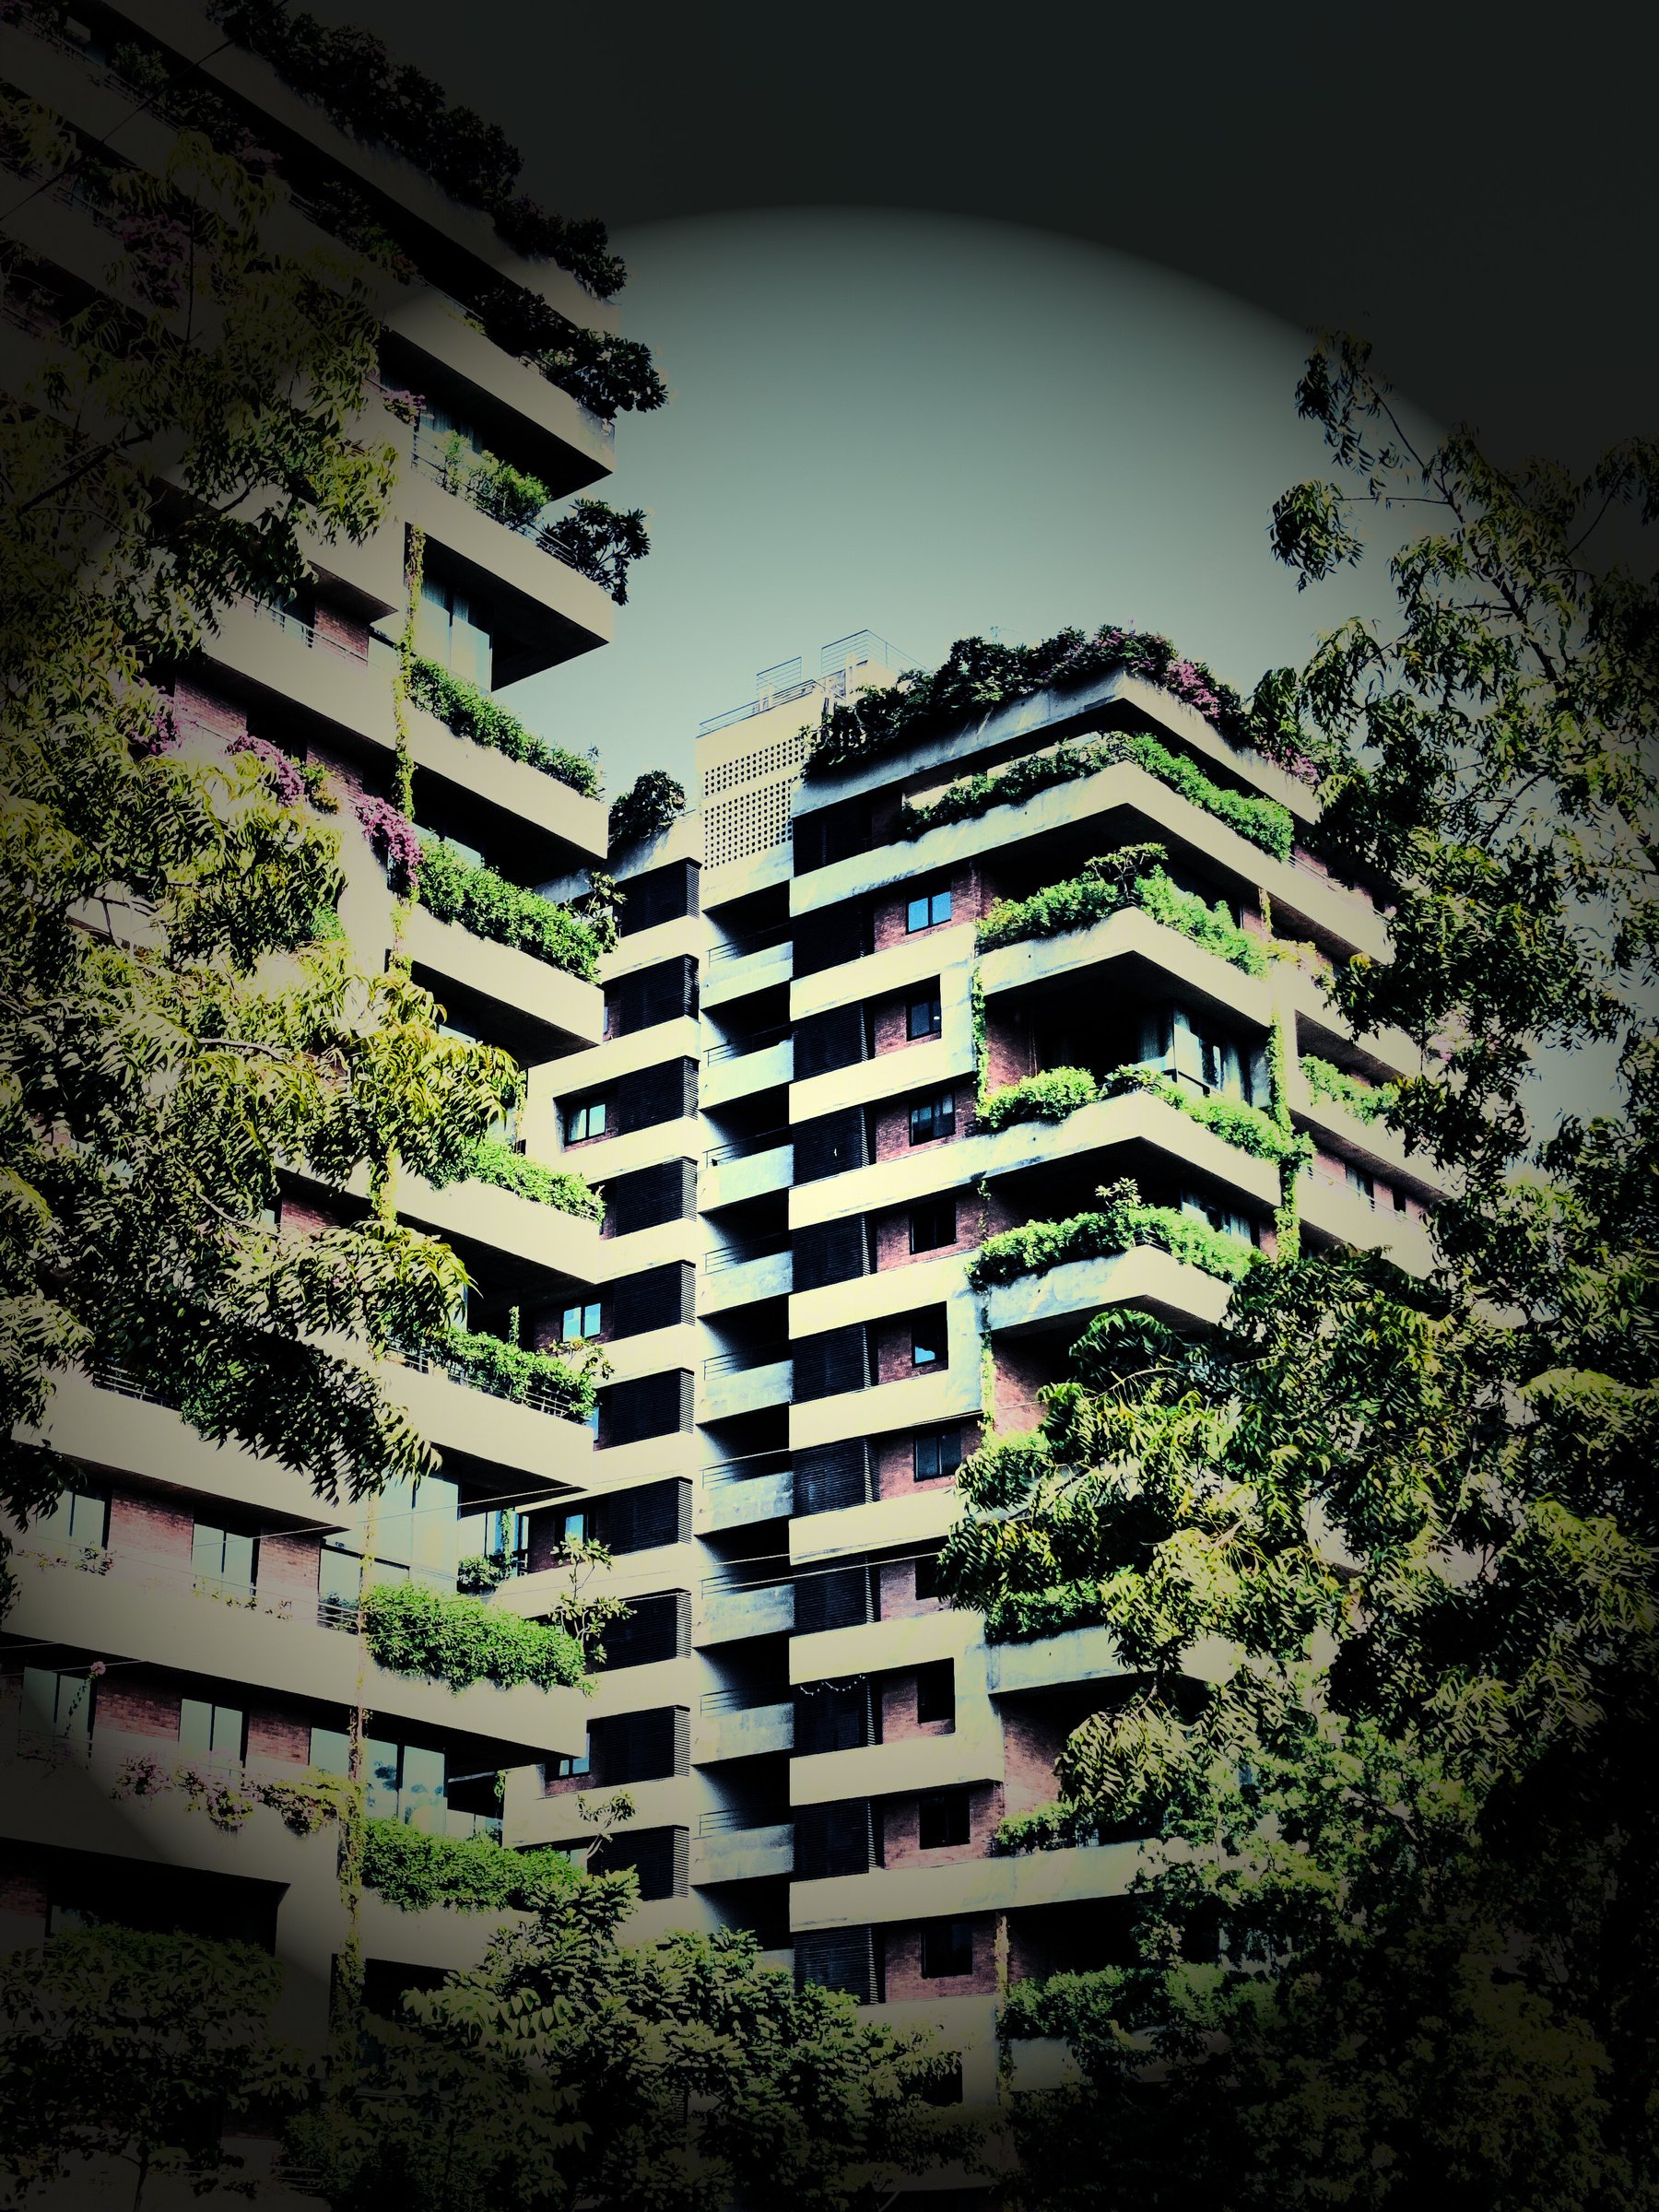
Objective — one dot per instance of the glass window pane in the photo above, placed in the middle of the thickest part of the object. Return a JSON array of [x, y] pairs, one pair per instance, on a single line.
[[915, 914], [423, 1780], [940, 907], [207, 1550], [195, 1727], [380, 1772], [330, 1750], [435, 1526]]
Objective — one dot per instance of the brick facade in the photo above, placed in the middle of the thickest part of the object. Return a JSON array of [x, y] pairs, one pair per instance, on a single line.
[[905, 1981], [901, 1825], [282, 1736], [893, 1232], [898, 1720], [893, 1462], [288, 1567], [130, 1703], [894, 1358], [154, 1526]]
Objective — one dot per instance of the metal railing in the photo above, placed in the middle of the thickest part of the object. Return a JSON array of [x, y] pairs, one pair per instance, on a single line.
[[311, 637], [745, 1147], [730, 1819], [750, 1356], [537, 1396], [759, 1467], [759, 940], [543, 536], [736, 1047], [735, 1255]]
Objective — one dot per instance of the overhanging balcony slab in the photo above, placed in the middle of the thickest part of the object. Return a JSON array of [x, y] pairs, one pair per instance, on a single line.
[[644, 1688], [1130, 934], [725, 980], [740, 1074], [652, 1351], [653, 1247], [876, 1297], [486, 1214], [681, 939], [610, 1059], [729, 1182], [1085, 1655], [530, 1818], [295, 663], [456, 1416], [1081, 1289], [914, 959], [722, 1395], [743, 1731], [1369, 1145], [507, 978], [1318, 1024], [871, 1647], [721, 1289], [918, 1518], [1332, 1210], [147, 1610], [742, 1502], [514, 785], [766, 1610], [109, 1429], [742, 1854], [915, 1762], [886, 1895], [946, 1058]]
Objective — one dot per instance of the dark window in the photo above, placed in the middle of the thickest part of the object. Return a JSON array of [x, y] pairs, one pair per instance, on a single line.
[[585, 1119], [80, 1516], [563, 1764], [927, 1342], [223, 1560], [928, 911], [580, 1320], [1360, 1184], [924, 1017], [932, 1226], [946, 2088], [937, 1452], [942, 1821], [210, 1730], [927, 1576], [931, 1118], [935, 1691], [947, 1949]]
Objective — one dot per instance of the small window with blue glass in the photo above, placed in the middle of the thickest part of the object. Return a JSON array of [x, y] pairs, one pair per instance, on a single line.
[[928, 909]]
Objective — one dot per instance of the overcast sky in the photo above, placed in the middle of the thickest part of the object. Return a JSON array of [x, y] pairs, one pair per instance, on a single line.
[[929, 426]]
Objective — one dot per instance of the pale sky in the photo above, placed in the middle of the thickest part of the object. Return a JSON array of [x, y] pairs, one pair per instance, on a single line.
[[927, 426]]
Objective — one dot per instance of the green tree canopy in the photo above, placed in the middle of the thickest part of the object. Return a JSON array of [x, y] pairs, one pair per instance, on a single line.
[[1395, 1923]]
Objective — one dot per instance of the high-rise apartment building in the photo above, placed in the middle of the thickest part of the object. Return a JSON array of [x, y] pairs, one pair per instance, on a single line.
[[801, 1118], [184, 1604]]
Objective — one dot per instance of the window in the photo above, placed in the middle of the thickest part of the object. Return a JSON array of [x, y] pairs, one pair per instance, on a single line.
[[581, 1321], [942, 1821], [927, 1342], [57, 1713], [565, 1763], [1218, 1216], [454, 629], [1360, 1184], [80, 1516], [928, 911], [927, 1577], [567, 1528], [937, 1452], [923, 1017], [585, 1119], [405, 1781], [1203, 1057], [932, 1226], [946, 1950], [932, 1118], [935, 1691], [209, 1731], [224, 1561]]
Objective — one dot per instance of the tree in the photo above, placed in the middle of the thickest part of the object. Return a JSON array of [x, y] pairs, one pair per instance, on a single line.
[[122, 2046], [178, 1019], [1395, 1918], [685, 2077]]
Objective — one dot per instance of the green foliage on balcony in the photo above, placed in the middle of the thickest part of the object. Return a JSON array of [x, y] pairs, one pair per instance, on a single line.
[[466, 1874], [412, 1629], [1124, 1221], [1365, 1101], [1263, 821], [652, 803], [490, 1161], [469, 713], [1056, 1092], [1045, 1828], [1107, 885], [508, 1370], [978, 675], [453, 890]]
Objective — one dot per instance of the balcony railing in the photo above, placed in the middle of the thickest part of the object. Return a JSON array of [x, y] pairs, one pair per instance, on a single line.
[[537, 1396], [747, 1357], [723, 1822], [757, 1466], [745, 1147], [759, 940], [310, 636], [735, 1255], [735, 1048], [741, 1701]]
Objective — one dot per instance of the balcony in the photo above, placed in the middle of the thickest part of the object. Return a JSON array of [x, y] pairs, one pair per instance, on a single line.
[[740, 1495], [755, 1609], [733, 1382], [742, 965], [740, 1274], [533, 1437], [1345, 1215], [747, 1168], [1152, 954], [888, 1894], [740, 1847], [160, 1608], [727, 1727], [743, 1066], [1070, 1296], [522, 986]]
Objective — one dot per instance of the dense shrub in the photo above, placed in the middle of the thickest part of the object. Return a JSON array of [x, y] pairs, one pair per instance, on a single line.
[[507, 1370], [469, 713], [1263, 821], [453, 890], [1365, 1101], [1107, 887], [1047, 1097], [412, 1629], [467, 1873], [978, 675], [490, 1161], [1120, 1224], [652, 803]]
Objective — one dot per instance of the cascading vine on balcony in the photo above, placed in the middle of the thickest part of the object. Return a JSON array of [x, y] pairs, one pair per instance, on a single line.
[[1109, 885], [1124, 1221]]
